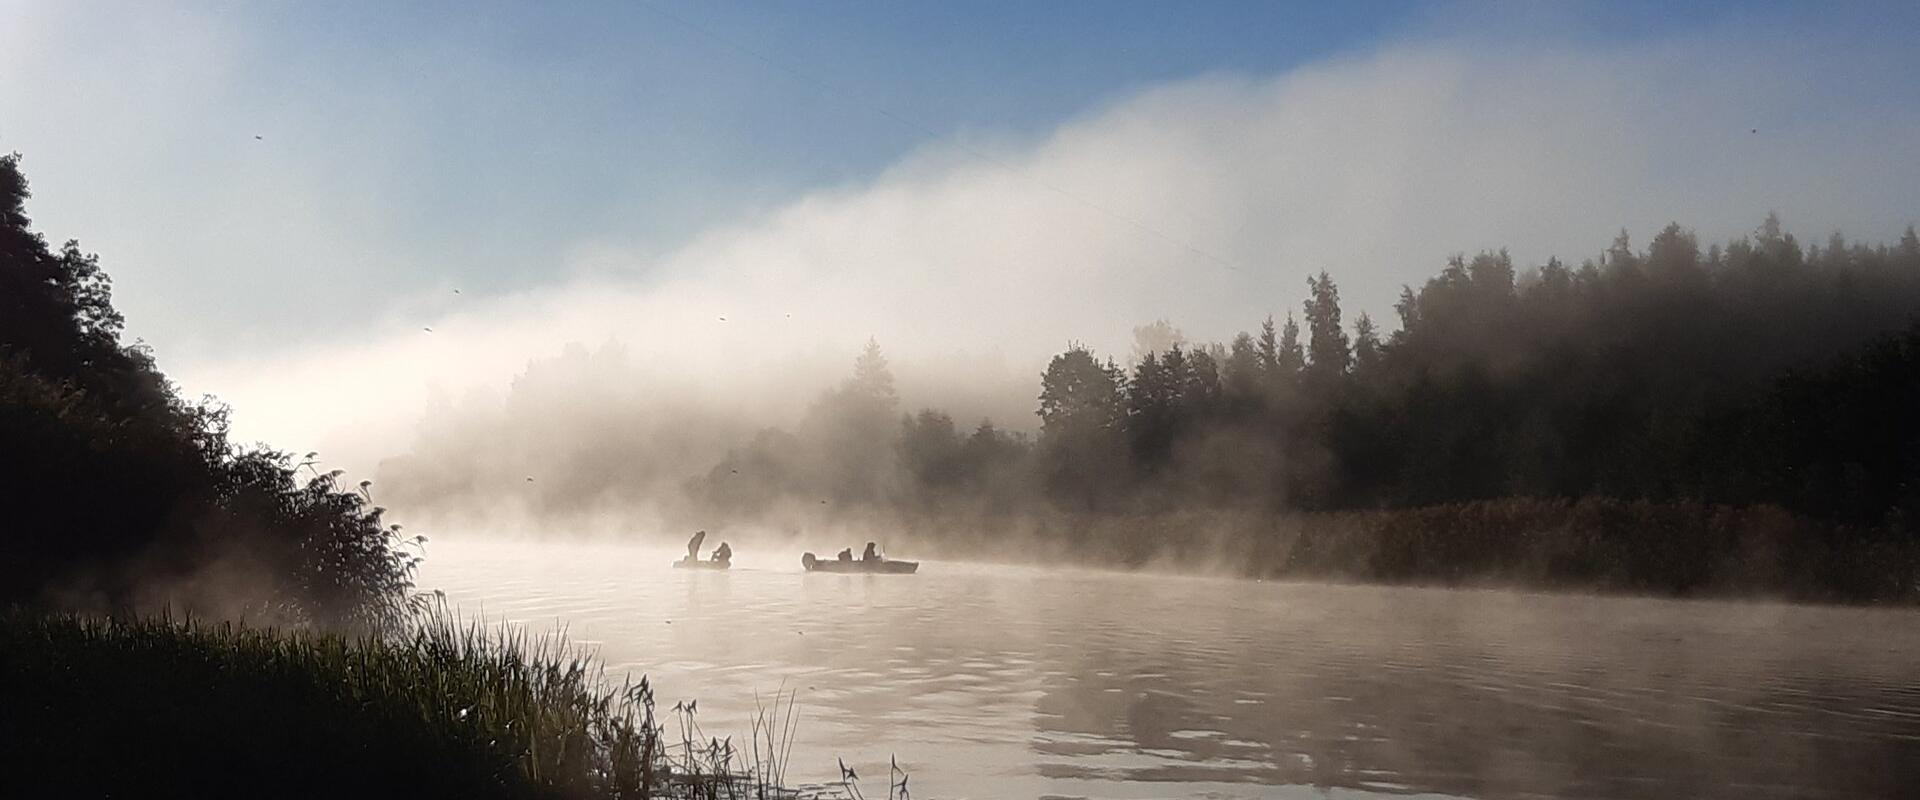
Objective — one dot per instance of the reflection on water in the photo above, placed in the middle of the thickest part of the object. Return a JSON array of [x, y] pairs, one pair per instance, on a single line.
[[1008, 682]]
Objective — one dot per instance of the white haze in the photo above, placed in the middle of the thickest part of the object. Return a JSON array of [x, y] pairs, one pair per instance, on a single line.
[[1205, 202]]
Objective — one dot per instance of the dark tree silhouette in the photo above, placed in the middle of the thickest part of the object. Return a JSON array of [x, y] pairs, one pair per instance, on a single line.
[[1327, 353], [1083, 428], [119, 494]]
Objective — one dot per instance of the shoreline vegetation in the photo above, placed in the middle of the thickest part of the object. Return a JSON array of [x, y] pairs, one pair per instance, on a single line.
[[1596, 545], [124, 499], [122, 495], [103, 707]]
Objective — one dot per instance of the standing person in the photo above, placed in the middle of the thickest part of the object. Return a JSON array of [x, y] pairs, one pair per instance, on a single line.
[[693, 545]]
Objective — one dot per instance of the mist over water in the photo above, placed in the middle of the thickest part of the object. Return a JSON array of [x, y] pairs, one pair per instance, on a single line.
[[993, 681], [1432, 306]]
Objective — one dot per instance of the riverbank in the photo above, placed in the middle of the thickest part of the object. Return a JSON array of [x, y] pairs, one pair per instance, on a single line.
[[1602, 545], [153, 707]]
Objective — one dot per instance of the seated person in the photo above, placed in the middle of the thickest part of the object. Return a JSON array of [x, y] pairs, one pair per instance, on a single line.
[[846, 555], [871, 554], [723, 555]]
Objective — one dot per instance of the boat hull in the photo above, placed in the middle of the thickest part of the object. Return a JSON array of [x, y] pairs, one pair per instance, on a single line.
[[701, 564], [888, 567]]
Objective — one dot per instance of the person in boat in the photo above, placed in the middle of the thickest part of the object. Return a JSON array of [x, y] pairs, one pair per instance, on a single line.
[[871, 553], [846, 555], [693, 545], [723, 554]]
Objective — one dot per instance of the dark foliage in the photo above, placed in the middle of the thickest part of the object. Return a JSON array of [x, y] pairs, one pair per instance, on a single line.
[[118, 494]]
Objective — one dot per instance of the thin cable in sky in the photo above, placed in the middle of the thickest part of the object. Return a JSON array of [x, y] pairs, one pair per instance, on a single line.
[[1135, 222]]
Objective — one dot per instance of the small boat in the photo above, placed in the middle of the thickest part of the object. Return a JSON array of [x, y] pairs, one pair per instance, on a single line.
[[869, 566], [701, 563]]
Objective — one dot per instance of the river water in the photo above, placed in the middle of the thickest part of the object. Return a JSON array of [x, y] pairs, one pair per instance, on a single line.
[[992, 681]]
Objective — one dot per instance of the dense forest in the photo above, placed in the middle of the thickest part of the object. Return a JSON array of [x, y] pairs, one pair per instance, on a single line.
[[1653, 419], [121, 495]]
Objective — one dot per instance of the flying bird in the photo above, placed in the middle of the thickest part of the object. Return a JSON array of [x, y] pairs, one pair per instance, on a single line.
[[1753, 130], [258, 138], [529, 478], [428, 329], [723, 319], [456, 291]]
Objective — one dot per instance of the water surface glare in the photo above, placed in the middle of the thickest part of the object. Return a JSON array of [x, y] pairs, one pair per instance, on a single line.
[[990, 681]]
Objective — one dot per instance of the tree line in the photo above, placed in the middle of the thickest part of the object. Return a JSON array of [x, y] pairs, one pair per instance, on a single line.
[[1758, 373]]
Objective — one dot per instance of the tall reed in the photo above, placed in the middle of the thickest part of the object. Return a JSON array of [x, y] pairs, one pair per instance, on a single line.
[[93, 706]]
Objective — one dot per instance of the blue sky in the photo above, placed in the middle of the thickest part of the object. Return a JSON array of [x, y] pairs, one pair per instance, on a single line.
[[647, 122], [482, 139], [656, 118], [937, 175]]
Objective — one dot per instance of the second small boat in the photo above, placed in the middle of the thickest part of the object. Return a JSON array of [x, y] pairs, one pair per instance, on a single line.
[[874, 566], [722, 555]]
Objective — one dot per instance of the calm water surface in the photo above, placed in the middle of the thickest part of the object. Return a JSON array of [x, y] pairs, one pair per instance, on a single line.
[[1015, 682]]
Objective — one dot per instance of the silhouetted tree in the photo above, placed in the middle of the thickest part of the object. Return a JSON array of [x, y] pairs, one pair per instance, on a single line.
[[1082, 428], [1243, 375], [1366, 345], [852, 430], [1293, 358], [115, 489], [1328, 356], [931, 450], [993, 459]]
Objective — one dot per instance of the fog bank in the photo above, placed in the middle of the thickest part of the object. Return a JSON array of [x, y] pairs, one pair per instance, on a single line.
[[1205, 202]]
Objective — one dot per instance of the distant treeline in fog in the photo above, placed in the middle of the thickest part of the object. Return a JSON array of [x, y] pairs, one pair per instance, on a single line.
[[1758, 372], [1671, 418], [1652, 383]]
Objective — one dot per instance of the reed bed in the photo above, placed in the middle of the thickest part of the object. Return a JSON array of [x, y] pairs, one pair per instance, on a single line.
[[93, 706]]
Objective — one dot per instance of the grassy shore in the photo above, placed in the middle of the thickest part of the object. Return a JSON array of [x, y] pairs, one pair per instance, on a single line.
[[93, 707]]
